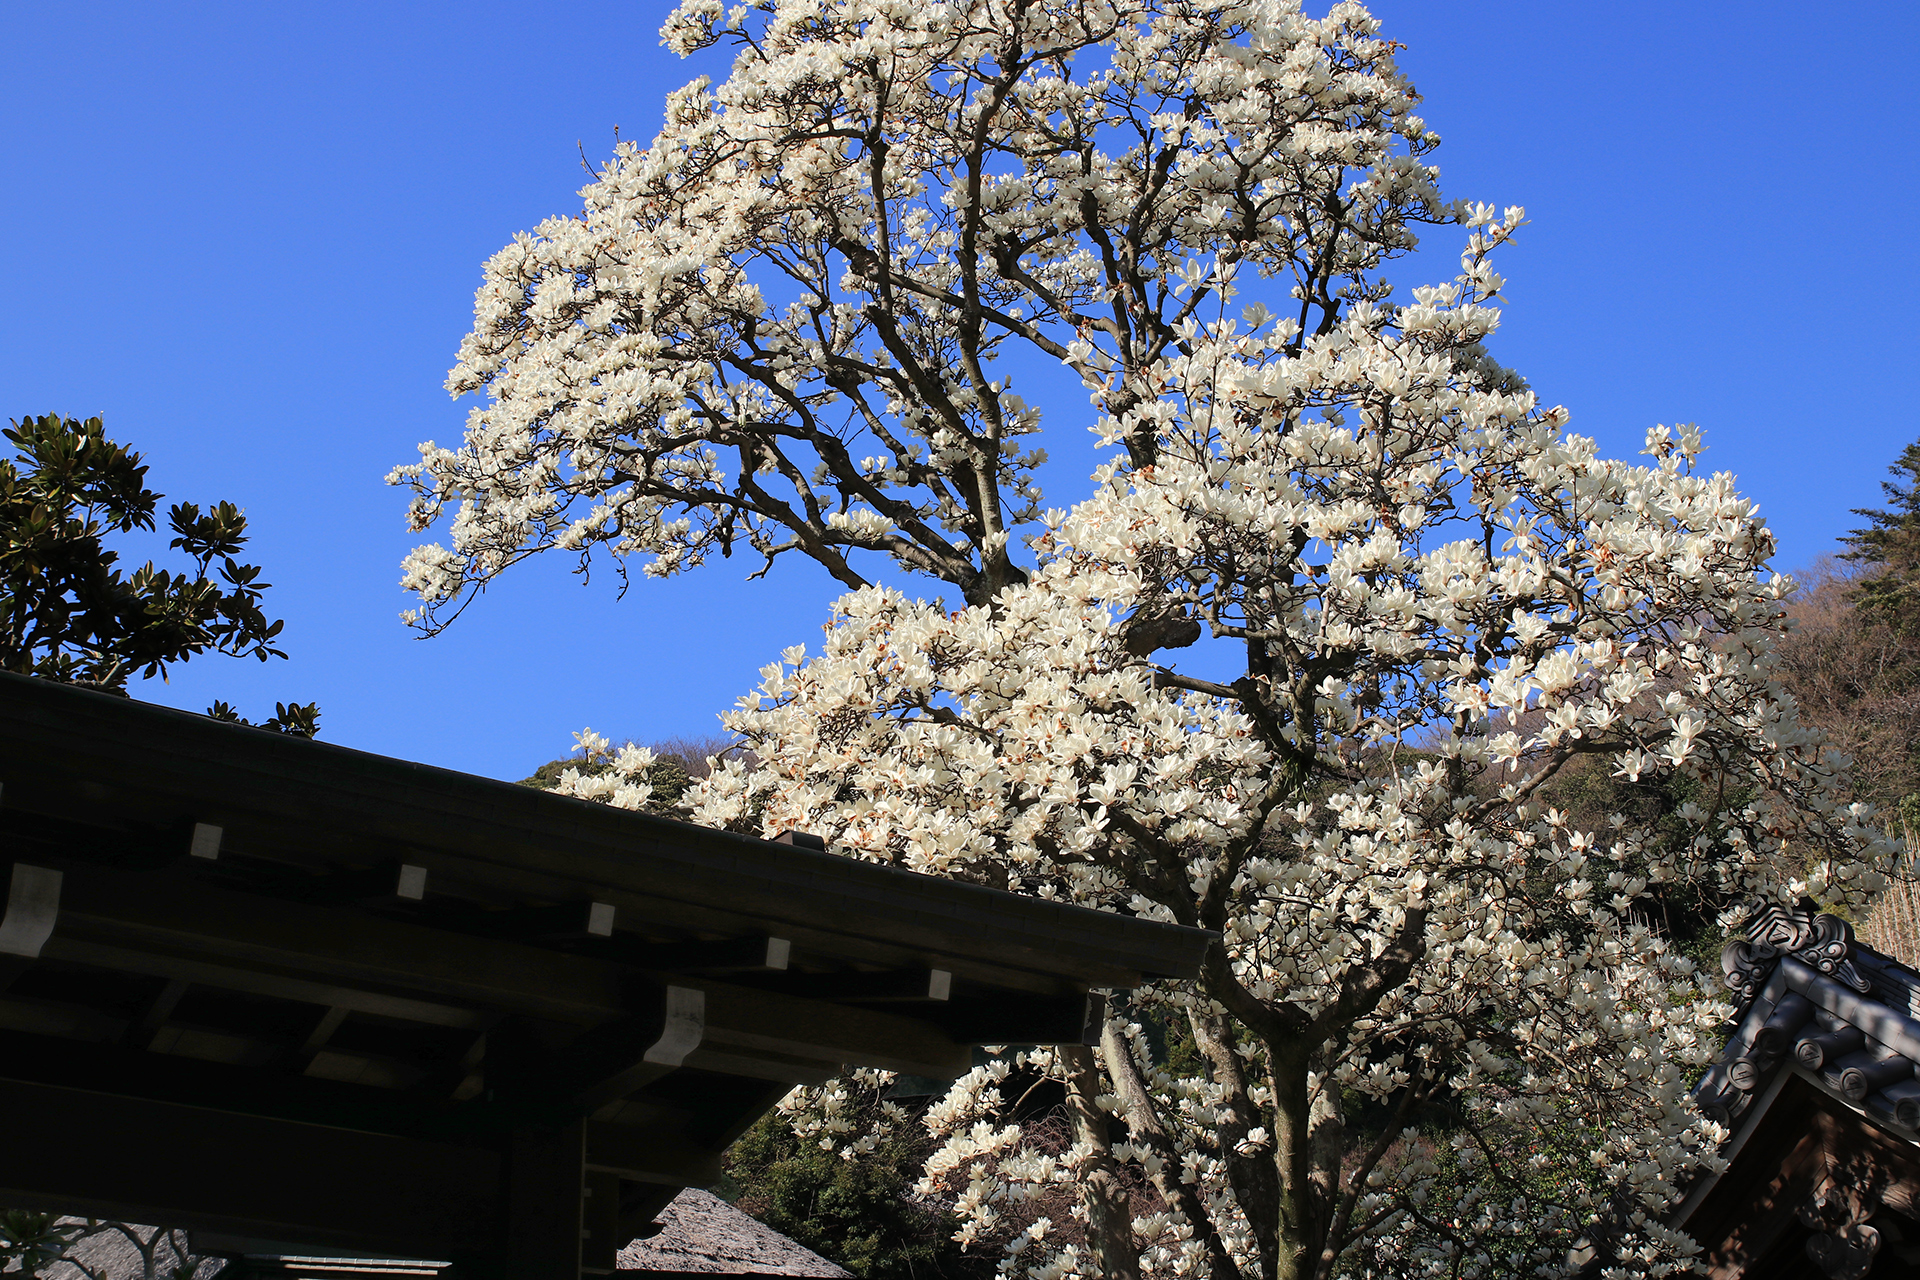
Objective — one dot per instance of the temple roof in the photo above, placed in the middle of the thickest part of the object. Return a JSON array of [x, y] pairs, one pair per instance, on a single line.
[[302, 999], [1815, 999], [1817, 1082]]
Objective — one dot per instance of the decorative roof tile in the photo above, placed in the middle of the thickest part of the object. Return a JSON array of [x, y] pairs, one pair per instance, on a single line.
[[1819, 1083]]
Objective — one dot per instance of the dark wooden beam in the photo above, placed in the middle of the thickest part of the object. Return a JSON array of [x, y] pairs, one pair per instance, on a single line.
[[140, 1031], [299, 1058], [764, 1064], [756, 953], [600, 1244], [45, 1018], [291, 800], [103, 834], [611, 1062], [554, 922], [747, 1021], [853, 987], [458, 1080], [658, 1154], [1016, 1018], [389, 882], [153, 922], [170, 1079], [132, 1160], [546, 1183], [146, 922], [362, 996]]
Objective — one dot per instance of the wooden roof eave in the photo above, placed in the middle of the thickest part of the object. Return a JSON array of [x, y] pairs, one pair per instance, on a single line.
[[61, 746]]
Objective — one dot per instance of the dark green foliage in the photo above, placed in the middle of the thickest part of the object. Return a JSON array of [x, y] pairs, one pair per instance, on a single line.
[[30, 1242], [1170, 1039], [1890, 544], [1686, 914], [1481, 1164], [547, 776], [289, 718], [854, 1212], [68, 613], [669, 777], [670, 780]]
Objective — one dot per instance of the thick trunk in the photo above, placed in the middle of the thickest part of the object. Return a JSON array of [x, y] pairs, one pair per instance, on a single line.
[[1300, 1227], [996, 575], [1326, 1149], [1109, 1215]]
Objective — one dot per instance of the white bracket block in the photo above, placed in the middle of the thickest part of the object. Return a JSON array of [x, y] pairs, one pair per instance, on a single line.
[[686, 1027], [206, 841], [413, 882], [33, 904]]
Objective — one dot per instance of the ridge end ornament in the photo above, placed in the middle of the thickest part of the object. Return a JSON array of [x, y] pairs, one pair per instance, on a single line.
[[1820, 941]]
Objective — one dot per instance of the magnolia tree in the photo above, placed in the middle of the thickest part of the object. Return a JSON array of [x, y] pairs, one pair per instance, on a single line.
[[784, 325]]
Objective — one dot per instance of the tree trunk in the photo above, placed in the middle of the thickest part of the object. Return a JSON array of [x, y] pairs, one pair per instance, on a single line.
[[1301, 1226], [1327, 1145], [1255, 1180], [1109, 1215], [1144, 1128]]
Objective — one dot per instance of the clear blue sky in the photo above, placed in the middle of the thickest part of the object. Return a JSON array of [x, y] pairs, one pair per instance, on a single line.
[[248, 236]]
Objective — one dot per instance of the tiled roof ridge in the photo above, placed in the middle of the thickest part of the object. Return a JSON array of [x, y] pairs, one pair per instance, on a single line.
[[1811, 996]]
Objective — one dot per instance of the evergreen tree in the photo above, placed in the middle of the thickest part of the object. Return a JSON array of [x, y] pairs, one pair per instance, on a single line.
[[67, 611], [1890, 546]]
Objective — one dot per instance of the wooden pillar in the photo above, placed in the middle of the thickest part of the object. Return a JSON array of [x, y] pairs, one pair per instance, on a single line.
[[546, 1181], [546, 1158], [600, 1241]]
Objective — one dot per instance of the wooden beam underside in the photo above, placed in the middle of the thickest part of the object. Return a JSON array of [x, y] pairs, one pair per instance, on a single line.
[[139, 1161], [278, 991], [152, 923], [69, 753]]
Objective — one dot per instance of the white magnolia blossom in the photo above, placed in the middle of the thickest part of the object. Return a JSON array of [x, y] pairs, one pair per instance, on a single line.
[[1442, 600], [777, 325], [1437, 598]]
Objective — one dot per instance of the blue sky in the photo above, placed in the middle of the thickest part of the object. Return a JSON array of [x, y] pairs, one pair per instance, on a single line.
[[248, 236]]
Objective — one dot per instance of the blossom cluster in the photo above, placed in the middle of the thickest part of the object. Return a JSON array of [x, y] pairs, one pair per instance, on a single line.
[[781, 326], [1443, 597], [776, 326]]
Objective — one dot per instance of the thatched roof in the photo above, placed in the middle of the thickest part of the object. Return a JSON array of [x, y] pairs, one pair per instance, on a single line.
[[706, 1234]]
